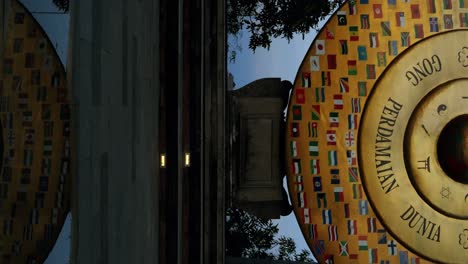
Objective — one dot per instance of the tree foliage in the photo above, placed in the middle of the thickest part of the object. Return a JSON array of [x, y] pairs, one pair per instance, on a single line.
[[63, 5], [267, 19], [251, 237]]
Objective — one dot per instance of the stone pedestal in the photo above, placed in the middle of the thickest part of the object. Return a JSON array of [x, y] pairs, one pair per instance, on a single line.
[[256, 147]]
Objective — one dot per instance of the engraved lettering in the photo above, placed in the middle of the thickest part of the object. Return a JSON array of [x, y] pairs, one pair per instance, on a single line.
[[421, 224]]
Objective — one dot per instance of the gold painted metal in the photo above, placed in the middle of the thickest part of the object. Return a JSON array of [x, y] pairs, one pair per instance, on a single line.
[[422, 90], [434, 112]]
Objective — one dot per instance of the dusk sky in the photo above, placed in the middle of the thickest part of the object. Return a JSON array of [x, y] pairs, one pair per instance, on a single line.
[[282, 60]]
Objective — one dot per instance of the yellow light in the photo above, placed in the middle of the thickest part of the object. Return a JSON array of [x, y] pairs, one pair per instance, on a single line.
[[163, 161], [187, 159]]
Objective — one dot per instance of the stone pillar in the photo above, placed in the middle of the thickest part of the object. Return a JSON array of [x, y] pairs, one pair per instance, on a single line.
[[256, 147]]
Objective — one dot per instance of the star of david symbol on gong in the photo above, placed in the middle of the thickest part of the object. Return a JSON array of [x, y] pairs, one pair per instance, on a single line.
[[445, 192]]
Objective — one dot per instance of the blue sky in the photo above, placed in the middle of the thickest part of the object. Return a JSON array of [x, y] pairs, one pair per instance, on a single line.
[[281, 60]]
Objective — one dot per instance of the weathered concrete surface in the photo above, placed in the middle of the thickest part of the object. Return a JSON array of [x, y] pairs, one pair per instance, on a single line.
[[114, 73]]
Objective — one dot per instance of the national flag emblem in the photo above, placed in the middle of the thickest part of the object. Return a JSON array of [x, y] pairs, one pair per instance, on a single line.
[[300, 96], [346, 210], [363, 207], [353, 33], [353, 257], [415, 11], [297, 112], [296, 166], [392, 47], [294, 129], [329, 34], [313, 148], [362, 242], [381, 59], [344, 85], [373, 258], [370, 71], [326, 217], [351, 156], [313, 129], [447, 4], [322, 200], [306, 79], [362, 53], [352, 121], [320, 47], [314, 63], [301, 199], [434, 24], [319, 94], [329, 259], [344, 248], [306, 215], [338, 101], [352, 227], [353, 174], [378, 13], [315, 112], [314, 166], [404, 257], [344, 46], [335, 176], [462, 3], [352, 7], [362, 87], [332, 158], [299, 186], [392, 248], [463, 19], [313, 233], [357, 191], [373, 40], [319, 247], [352, 67], [448, 22], [386, 31], [415, 260], [405, 39], [382, 236], [331, 137], [371, 225], [334, 119], [391, 3], [333, 233], [326, 79], [342, 21], [400, 19], [47, 148], [339, 196], [317, 184], [419, 31], [349, 138], [293, 146], [365, 22], [28, 158], [431, 7], [331, 60]]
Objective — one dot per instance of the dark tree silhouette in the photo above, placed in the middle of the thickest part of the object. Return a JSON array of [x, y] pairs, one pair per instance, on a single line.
[[63, 5], [251, 237], [267, 19]]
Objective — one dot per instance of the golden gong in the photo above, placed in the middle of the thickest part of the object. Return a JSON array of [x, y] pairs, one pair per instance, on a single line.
[[411, 179]]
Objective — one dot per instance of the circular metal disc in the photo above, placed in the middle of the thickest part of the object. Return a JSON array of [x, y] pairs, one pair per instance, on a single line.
[[35, 146], [346, 212]]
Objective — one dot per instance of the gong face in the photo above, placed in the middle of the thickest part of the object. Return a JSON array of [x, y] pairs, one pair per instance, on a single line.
[[36, 146], [377, 133]]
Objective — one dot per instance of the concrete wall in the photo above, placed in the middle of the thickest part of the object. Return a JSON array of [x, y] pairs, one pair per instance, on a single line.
[[114, 76]]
